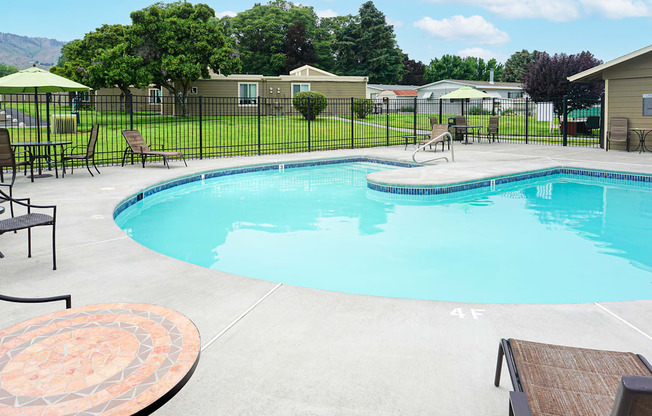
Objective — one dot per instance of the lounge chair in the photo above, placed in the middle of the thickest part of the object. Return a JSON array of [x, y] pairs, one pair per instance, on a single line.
[[29, 221], [89, 155], [437, 130], [492, 130], [618, 132], [8, 157], [138, 146], [555, 380]]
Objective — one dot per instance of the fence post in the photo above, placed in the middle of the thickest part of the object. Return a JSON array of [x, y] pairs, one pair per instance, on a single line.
[[493, 106], [440, 110], [309, 117], [48, 96], [352, 125], [387, 118], [131, 111], [415, 121], [527, 118], [201, 132], [258, 110], [565, 122], [601, 140]]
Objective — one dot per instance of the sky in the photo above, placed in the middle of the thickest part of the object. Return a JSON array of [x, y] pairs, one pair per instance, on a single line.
[[425, 29]]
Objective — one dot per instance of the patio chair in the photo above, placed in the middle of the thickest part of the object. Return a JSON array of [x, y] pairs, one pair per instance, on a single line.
[[138, 146], [66, 298], [437, 130], [492, 129], [459, 134], [618, 132], [89, 155], [566, 381], [29, 221], [591, 123], [8, 157]]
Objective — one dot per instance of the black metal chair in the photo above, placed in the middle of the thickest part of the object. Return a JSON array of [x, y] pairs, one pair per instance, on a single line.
[[29, 221], [88, 156], [8, 157], [66, 298]]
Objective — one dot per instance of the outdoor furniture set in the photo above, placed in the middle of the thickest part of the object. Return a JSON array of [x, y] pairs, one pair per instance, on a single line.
[[619, 132]]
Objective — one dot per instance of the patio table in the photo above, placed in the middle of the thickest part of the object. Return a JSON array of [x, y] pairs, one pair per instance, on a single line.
[[466, 134], [46, 155], [109, 359], [642, 134]]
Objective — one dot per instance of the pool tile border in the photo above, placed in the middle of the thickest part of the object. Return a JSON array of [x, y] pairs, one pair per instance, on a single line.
[[133, 199], [500, 180]]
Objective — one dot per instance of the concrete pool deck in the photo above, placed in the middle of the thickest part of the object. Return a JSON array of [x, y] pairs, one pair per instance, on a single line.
[[273, 349]]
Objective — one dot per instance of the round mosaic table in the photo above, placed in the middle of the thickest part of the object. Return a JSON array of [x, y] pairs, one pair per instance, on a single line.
[[111, 359]]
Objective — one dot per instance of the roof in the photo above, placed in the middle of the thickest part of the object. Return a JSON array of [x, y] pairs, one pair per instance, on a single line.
[[309, 68], [392, 87], [595, 73], [405, 92], [477, 84]]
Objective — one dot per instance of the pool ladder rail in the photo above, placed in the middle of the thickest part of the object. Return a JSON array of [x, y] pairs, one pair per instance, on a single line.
[[428, 143]]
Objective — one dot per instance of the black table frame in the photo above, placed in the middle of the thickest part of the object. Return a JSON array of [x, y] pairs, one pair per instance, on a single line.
[[642, 134], [466, 133], [45, 155]]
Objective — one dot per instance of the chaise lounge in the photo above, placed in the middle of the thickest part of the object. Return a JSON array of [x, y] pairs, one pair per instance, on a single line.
[[138, 146], [554, 380]]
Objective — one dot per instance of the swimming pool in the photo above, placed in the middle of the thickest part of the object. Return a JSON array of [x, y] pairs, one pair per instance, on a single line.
[[559, 238]]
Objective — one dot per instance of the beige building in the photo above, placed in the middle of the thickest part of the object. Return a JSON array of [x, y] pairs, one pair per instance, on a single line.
[[238, 94], [628, 91]]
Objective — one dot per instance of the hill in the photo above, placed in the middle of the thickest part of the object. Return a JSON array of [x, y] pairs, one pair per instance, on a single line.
[[24, 51]]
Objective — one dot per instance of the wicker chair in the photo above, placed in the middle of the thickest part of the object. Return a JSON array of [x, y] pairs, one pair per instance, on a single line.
[[138, 146], [437, 131], [8, 157], [566, 381], [88, 156], [618, 132], [29, 221], [492, 129]]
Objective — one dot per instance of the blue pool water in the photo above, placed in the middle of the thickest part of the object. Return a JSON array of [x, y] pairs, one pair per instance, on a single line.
[[562, 239]]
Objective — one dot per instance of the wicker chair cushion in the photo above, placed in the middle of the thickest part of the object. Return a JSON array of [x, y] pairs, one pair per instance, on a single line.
[[25, 221], [567, 381]]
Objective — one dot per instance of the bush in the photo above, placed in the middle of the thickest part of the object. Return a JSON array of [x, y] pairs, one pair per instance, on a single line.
[[407, 109], [309, 103], [507, 112], [362, 107], [478, 111]]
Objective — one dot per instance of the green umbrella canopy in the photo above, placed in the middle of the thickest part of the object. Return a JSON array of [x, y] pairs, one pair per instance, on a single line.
[[33, 80], [465, 92]]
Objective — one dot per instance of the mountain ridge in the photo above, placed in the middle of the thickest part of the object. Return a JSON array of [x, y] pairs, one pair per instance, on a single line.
[[26, 51]]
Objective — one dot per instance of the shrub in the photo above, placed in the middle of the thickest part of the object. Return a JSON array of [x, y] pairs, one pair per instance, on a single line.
[[478, 111], [507, 112], [309, 103], [407, 109], [362, 107]]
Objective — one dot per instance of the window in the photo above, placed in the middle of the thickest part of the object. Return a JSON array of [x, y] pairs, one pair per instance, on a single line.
[[193, 90], [300, 88], [85, 97], [516, 94], [154, 96], [248, 93]]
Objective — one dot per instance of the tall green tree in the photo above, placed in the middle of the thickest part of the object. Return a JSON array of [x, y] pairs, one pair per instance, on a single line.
[[178, 43], [103, 59], [6, 69], [517, 65], [279, 36], [456, 67], [366, 45]]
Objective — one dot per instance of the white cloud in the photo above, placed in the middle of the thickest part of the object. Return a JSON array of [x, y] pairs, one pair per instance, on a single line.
[[326, 13], [472, 29], [395, 23], [617, 9], [226, 13], [482, 53], [555, 10]]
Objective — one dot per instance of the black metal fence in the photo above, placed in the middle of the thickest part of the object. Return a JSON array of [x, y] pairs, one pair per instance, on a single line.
[[208, 127]]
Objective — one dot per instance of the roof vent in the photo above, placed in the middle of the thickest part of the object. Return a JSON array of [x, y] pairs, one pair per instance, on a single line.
[[491, 76]]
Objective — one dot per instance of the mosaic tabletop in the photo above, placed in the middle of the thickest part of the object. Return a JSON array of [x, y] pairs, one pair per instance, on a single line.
[[111, 359]]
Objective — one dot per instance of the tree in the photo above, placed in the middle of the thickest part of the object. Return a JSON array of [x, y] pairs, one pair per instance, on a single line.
[[103, 59], [517, 65], [277, 37], [366, 46], [414, 71], [6, 69], [178, 44], [309, 103], [468, 69], [546, 80]]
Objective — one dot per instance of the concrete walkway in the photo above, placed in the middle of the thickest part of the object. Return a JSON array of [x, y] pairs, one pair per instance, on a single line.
[[272, 349]]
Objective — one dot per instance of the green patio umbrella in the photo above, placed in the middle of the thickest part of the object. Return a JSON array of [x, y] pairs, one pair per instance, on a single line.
[[37, 80], [465, 92]]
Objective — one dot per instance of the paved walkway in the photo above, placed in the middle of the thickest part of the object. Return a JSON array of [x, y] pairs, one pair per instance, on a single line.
[[274, 349], [20, 117]]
